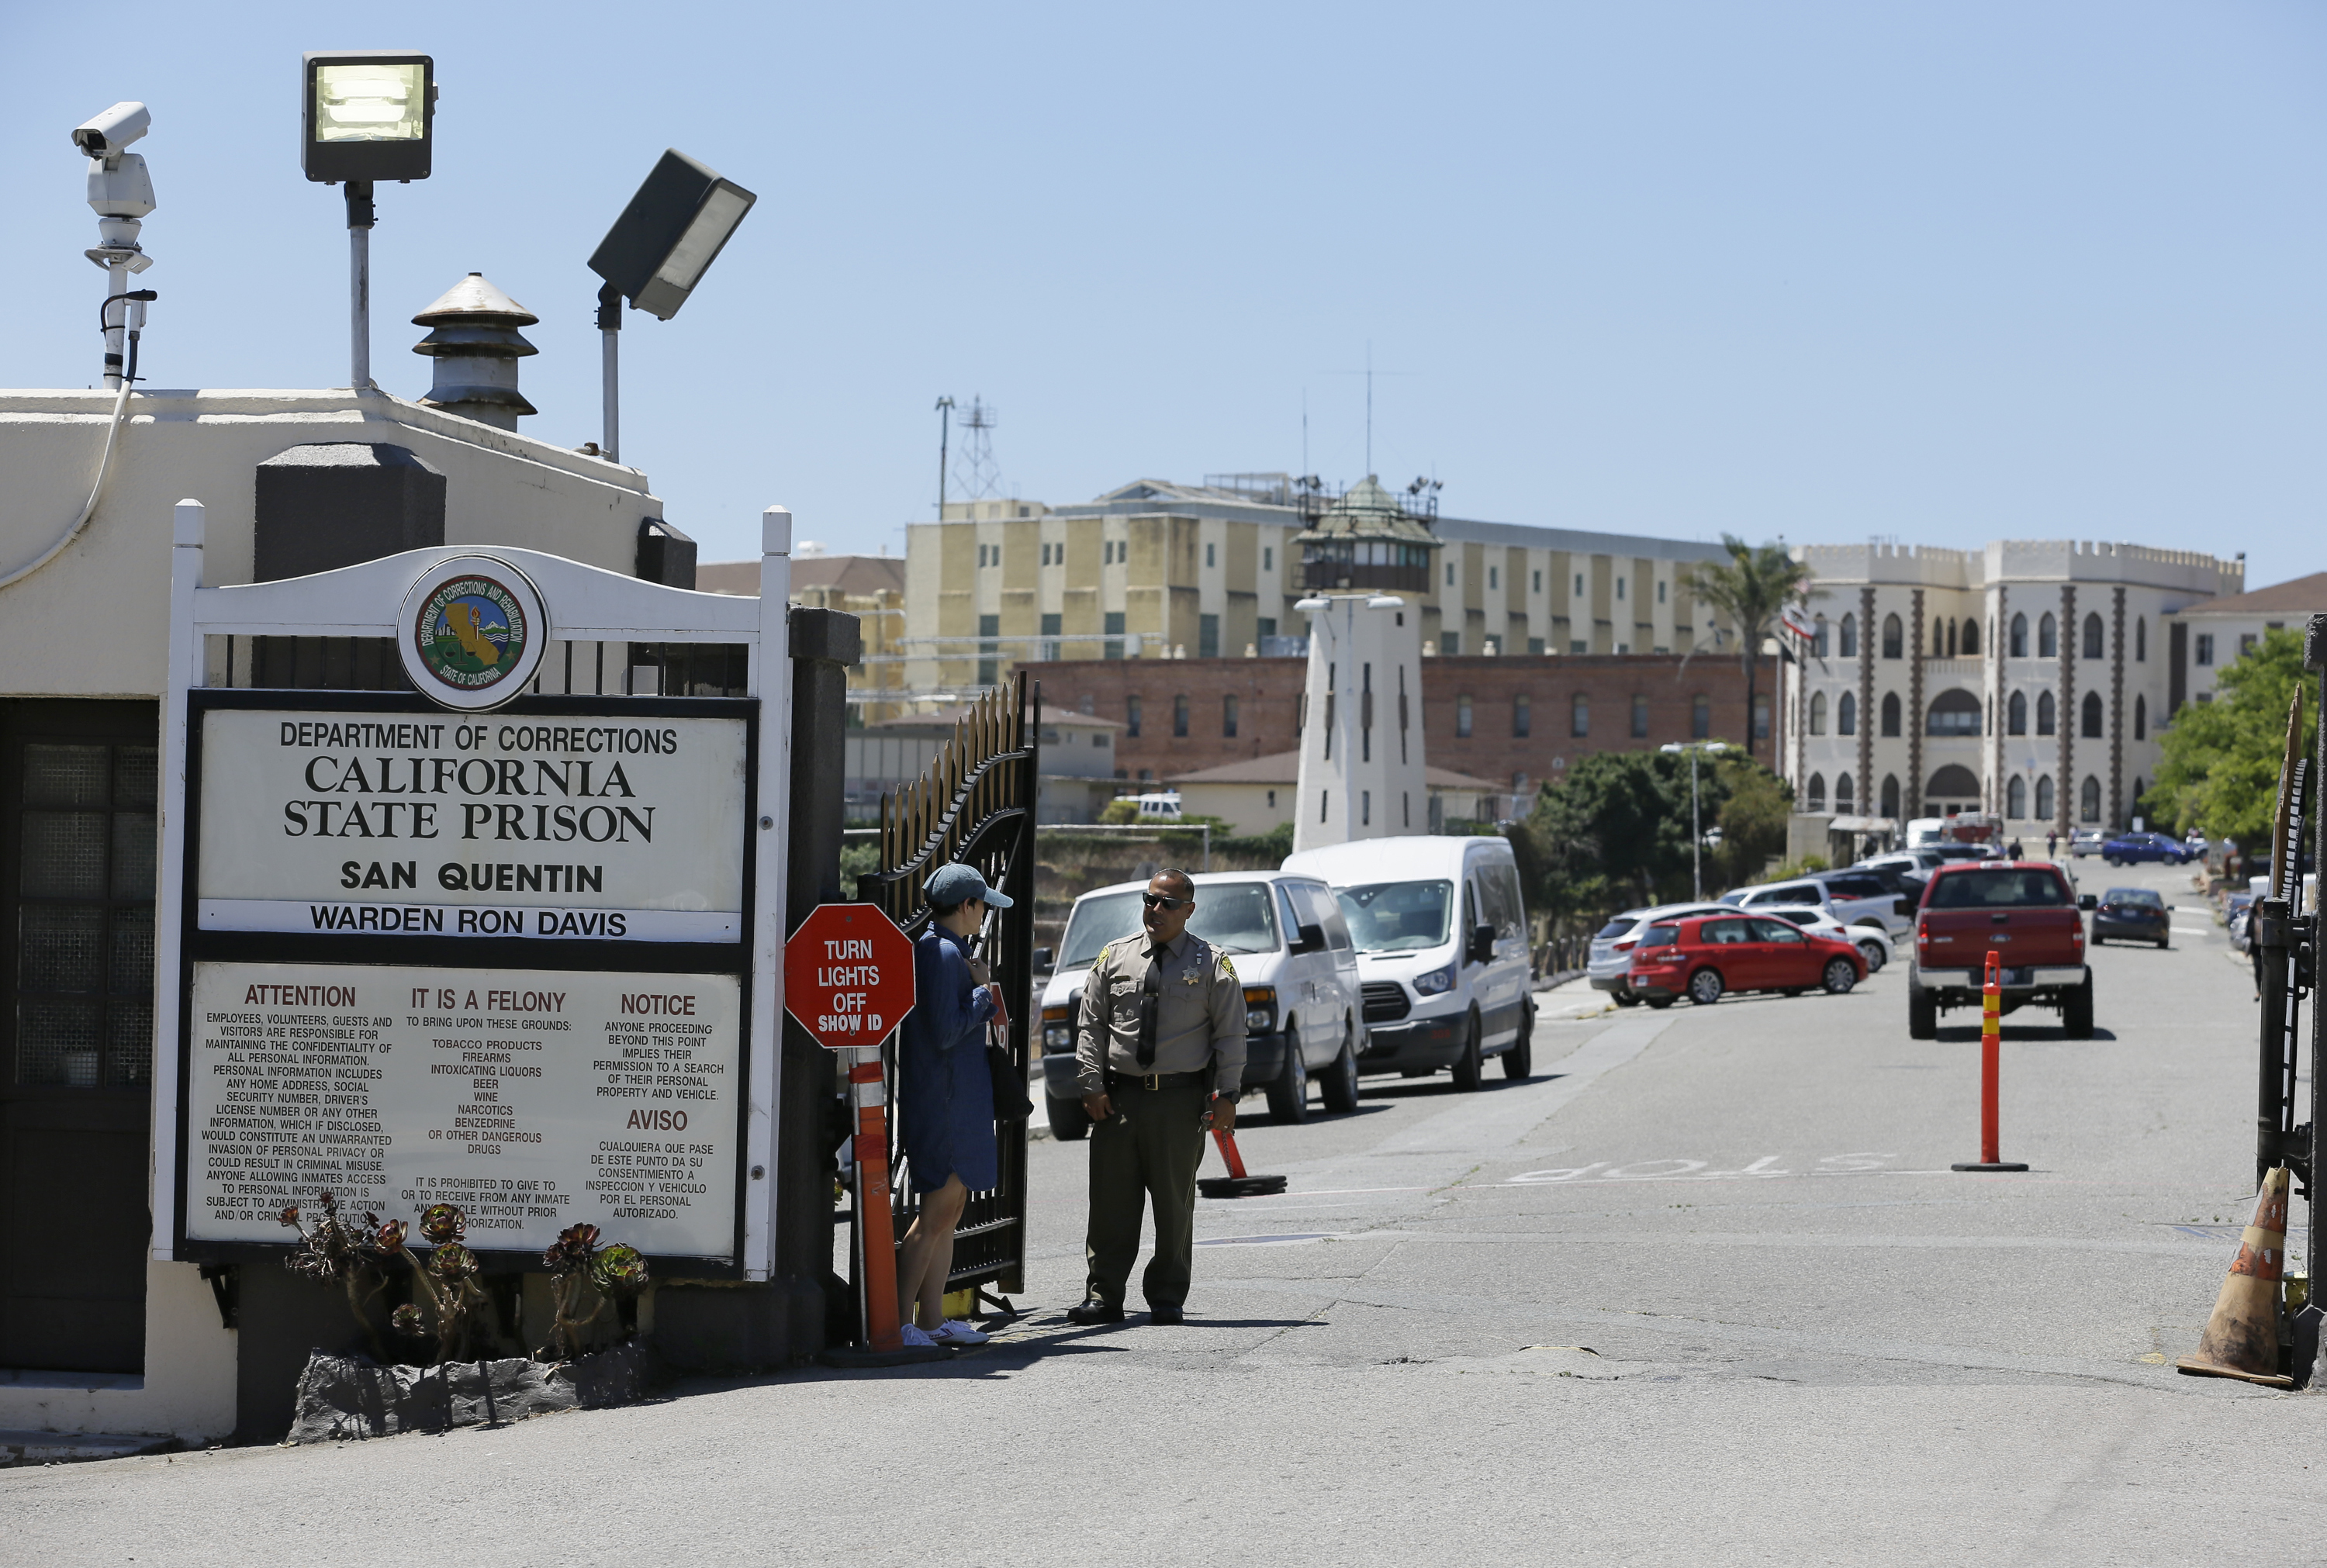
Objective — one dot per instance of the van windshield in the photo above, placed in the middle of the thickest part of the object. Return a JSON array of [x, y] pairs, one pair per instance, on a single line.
[[1398, 917], [1234, 916]]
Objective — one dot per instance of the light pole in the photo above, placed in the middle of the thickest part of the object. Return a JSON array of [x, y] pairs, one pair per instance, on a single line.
[[365, 116], [1696, 833]]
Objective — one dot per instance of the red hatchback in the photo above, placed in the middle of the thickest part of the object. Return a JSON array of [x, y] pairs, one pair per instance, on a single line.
[[1705, 955]]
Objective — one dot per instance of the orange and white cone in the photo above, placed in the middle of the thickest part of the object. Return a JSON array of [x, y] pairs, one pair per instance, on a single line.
[[2241, 1338]]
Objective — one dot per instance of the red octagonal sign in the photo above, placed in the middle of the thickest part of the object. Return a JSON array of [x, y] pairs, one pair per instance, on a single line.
[[848, 975]]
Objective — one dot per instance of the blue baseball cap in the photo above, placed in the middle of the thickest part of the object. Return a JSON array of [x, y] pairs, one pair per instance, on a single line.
[[955, 883]]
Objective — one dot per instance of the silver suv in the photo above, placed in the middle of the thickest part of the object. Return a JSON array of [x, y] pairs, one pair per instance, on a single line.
[[1611, 958], [1851, 901]]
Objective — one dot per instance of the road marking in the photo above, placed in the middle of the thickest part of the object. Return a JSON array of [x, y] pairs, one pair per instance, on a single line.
[[1477, 1126], [1289, 1238], [1862, 1164]]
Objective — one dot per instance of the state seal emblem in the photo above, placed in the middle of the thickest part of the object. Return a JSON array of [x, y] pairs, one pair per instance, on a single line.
[[473, 633]]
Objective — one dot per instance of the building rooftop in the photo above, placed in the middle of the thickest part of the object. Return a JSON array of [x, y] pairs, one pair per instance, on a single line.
[[2302, 596], [848, 574]]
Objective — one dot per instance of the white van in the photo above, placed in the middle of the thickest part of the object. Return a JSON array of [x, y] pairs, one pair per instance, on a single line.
[[1293, 952], [1442, 938]]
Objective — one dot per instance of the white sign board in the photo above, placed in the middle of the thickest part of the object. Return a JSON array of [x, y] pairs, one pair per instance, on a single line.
[[532, 1098], [367, 824]]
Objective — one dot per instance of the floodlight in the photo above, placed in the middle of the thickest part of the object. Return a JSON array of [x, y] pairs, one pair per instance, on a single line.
[[657, 252], [667, 237], [367, 115]]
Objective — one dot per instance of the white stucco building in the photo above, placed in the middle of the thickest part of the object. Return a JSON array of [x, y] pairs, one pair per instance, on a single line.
[[2027, 678]]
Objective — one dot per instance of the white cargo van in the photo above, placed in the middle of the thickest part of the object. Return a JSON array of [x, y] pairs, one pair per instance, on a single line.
[[1293, 952], [1441, 939]]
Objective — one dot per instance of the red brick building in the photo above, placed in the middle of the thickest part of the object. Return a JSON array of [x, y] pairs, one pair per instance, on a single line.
[[1519, 719]]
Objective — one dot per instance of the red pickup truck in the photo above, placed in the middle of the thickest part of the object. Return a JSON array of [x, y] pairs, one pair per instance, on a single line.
[[2025, 912]]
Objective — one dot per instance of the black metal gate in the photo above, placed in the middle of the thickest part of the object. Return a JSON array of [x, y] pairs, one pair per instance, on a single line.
[[975, 804]]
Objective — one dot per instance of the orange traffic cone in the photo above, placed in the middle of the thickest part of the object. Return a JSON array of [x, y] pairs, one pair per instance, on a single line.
[[2241, 1338]]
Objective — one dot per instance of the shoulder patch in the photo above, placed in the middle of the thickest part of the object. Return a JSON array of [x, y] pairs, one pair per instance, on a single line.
[[1228, 969]]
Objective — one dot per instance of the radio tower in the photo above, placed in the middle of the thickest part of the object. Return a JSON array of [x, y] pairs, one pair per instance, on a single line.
[[974, 474]]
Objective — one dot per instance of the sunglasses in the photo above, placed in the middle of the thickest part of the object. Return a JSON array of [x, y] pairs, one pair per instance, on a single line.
[[1158, 901]]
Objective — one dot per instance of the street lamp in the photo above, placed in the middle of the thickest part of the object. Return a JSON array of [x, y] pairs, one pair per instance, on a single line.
[[365, 116], [1695, 834], [656, 253]]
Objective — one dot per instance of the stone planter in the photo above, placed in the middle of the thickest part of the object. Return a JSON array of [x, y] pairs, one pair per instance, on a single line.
[[351, 1396]]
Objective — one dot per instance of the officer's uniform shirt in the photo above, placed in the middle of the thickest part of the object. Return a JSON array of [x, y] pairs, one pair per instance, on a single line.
[[1198, 1013]]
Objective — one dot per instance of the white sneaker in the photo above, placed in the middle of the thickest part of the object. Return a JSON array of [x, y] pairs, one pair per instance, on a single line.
[[915, 1335], [954, 1332]]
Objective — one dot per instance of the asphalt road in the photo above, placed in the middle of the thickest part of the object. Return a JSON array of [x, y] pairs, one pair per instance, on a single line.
[[1704, 1291]]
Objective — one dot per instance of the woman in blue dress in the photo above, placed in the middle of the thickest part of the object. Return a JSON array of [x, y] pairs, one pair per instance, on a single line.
[[945, 1111]]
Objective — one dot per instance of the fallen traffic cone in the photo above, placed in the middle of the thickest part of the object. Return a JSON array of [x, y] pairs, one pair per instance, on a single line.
[[1235, 1183], [2241, 1338]]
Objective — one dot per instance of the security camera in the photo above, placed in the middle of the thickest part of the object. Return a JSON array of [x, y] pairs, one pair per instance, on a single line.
[[105, 135]]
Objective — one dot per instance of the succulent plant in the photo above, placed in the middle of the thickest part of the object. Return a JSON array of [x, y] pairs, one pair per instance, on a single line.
[[407, 1320], [442, 1222], [620, 1270], [453, 1262], [389, 1236]]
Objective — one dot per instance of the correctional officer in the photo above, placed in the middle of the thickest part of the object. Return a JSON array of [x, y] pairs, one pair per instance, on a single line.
[[1159, 1053]]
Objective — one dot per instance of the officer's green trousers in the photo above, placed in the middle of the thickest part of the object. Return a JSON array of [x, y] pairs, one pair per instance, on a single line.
[[1145, 1153]]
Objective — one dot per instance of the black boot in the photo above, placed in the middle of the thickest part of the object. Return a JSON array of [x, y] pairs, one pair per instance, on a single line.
[[1094, 1311]]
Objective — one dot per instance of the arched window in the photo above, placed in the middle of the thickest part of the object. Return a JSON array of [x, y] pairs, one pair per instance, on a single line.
[[1971, 639], [1850, 637], [1818, 792], [1817, 637], [2088, 800], [2140, 719], [1954, 788], [2048, 637], [1889, 713], [1894, 638], [2015, 714], [2092, 717], [1579, 715], [2139, 790], [1939, 635], [1818, 713], [1846, 794], [1846, 715], [1890, 795], [2093, 637], [2047, 714], [2140, 639], [1954, 712], [2015, 798], [2045, 799], [2020, 637]]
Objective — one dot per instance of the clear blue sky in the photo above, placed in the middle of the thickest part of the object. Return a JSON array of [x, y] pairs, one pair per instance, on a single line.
[[1946, 272]]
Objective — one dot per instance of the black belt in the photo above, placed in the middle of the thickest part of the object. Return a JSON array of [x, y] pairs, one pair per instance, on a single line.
[[1118, 1078]]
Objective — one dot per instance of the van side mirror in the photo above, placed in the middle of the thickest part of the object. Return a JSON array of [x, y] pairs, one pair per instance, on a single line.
[[1309, 939], [1483, 943], [2087, 901], [1042, 960]]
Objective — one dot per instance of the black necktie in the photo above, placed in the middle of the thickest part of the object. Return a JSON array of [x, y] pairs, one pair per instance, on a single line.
[[1151, 997]]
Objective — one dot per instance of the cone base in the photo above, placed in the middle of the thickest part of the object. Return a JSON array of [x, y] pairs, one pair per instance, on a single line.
[[2197, 1367], [2000, 1165], [1240, 1186]]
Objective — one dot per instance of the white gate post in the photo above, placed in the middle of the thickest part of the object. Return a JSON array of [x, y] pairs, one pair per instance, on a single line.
[[771, 684], [185, 646]]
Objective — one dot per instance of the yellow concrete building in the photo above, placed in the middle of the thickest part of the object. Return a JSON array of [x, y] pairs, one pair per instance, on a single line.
[[1157, 569]]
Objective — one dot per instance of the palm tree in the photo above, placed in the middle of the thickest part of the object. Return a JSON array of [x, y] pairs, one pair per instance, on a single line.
[[1749, 591]]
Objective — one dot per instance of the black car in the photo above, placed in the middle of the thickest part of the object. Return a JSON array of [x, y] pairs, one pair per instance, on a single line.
[[2133, 915]]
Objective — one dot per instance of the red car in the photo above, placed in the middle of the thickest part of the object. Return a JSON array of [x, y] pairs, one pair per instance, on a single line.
[[1705, 955]]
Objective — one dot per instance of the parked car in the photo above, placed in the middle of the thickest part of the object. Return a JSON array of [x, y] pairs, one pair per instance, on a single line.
[[2132, 848], [2026, 912], [1949, 852], [1706, 956], [2087, 841], [1610, 956], [2238, 915], [1304, 1014], [1903, 875], [1853, 903], [1442, 944], [1873, 942], [2133, 915]]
